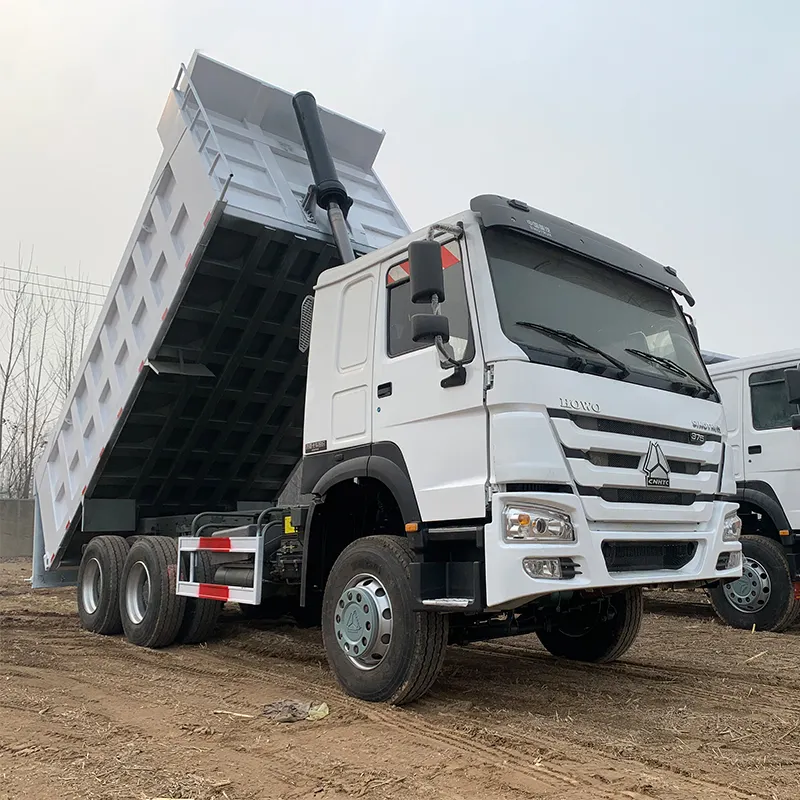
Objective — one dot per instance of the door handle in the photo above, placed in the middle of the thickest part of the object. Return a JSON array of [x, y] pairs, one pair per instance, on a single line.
[[754, 449], [384, 389]]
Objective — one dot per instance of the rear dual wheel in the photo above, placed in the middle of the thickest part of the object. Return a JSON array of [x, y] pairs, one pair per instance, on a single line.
[[132, 589]]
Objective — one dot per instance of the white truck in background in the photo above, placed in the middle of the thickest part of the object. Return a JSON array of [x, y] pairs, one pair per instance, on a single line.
[[761, 397], [500, 424]]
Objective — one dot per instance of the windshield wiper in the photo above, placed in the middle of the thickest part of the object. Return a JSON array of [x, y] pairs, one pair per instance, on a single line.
[[672, 366], [566, 336]]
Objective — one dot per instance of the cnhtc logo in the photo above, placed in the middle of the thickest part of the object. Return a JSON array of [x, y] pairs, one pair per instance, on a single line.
[[656, 466]]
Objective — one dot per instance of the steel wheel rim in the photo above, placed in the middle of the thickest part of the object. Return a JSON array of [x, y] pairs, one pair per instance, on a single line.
[[751, 592], [137, 592], [92, 585], [363, 621]]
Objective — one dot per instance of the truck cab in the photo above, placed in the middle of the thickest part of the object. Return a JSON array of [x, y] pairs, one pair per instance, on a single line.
[[764, 446], [579, 398]]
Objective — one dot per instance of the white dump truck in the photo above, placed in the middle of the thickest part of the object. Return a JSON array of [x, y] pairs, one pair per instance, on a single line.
[[761, 397], [499, 424]]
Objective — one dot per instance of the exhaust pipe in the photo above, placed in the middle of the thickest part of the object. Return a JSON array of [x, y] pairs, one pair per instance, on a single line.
[[331, 194]]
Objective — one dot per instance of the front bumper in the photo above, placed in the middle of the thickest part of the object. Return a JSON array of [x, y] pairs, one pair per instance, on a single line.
[[508, 585]]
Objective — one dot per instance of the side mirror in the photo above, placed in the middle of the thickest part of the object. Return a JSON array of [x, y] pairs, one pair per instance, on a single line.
[[426, 327], [793, 385], [425, 269]]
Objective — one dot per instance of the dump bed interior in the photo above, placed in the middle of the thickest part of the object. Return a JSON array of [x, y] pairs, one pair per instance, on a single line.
[[208, 440], [191, 394]]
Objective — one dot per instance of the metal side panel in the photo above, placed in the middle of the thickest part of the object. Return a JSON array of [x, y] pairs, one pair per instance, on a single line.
[[148, 283], [248, 130], [215, 425]]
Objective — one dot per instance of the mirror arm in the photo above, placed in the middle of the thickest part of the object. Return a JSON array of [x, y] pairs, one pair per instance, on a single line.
[[436, 308], [456, 230]]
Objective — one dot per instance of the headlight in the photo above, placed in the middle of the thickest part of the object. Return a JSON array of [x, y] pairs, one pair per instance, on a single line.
[[537, 524], [731, 528]]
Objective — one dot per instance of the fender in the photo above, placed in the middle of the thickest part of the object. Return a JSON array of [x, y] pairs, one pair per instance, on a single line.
[[382, 461], [761, 494]]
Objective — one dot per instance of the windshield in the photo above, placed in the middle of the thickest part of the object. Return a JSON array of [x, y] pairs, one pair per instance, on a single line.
[[543, 292]]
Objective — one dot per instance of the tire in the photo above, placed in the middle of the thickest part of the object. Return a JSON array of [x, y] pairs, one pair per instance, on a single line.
[[406, 648], [151, 567], [588, 637], [200, 616], [764, 596], [99, 578]]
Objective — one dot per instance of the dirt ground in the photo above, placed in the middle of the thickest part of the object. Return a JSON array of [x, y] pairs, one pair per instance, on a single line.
[[695, 710]]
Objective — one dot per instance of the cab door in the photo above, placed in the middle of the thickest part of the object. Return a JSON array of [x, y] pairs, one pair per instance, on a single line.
[[439, 432], [772, 448]]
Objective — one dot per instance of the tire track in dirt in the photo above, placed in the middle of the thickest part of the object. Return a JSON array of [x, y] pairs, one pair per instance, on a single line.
[[504, 745], [231, 659], [419, 727], [783, 699]]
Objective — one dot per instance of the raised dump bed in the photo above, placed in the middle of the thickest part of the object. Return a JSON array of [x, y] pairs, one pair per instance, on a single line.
[[190, 396]]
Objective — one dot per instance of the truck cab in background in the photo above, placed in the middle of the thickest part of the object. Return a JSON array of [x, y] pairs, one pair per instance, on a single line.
[[761, 397]]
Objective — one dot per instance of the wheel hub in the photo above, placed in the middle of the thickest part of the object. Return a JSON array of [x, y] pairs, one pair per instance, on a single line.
[[750, 592], [137, 592], [92, 586], [363, 621]]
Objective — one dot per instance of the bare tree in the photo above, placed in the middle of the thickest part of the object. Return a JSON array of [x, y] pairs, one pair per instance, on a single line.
[[15, 302], [43, 332], [38, 399]]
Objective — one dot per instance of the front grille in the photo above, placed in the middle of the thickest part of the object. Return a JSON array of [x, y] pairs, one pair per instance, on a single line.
[[647, 496], [616, 460], [688, 467], [606, 425], [643, 556], [625, 461], [651, 496], [557, 488]]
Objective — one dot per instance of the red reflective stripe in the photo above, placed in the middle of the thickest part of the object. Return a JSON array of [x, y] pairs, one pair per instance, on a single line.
[[448, 260], [220, 544], [210, 591]]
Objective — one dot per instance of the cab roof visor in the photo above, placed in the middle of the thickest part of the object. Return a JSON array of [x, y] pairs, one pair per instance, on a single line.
[[500, 211]]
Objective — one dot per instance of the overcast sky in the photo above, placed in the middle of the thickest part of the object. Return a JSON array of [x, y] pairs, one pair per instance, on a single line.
[[672, 126]]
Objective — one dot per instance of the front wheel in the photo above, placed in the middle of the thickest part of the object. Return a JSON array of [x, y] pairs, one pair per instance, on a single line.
[[600, 632], [764, 595], [378, 647]]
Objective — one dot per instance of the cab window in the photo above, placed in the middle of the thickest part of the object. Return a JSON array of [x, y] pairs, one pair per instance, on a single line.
[[770, 404]]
